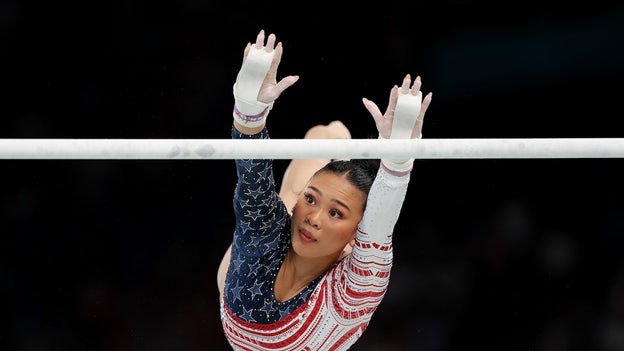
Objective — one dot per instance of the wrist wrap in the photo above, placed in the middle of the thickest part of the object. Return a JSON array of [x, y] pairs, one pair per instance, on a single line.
[[247, 109], [405, 114]]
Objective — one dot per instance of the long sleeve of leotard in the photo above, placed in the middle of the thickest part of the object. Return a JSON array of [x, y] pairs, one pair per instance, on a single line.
[[368, 269], [383, 208], [258, 209]]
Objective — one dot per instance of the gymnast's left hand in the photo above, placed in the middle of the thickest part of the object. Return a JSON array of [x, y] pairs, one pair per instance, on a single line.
[[405, 112]]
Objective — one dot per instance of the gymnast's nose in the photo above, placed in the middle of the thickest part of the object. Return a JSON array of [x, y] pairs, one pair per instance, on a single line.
[[314, 218]]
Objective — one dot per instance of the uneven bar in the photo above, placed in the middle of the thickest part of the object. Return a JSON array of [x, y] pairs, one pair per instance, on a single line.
[[213, 149]]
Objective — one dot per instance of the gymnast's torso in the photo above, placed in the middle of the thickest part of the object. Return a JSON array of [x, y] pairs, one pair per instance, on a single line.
[[333, 310]]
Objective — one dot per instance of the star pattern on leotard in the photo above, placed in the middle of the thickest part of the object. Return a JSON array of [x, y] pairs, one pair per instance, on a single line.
[[255, 290], [267, 308], [253, 214], [267, 202], [244, 203], [254, 193], [236, 291], [247, 315], [261, 240], [283, 313], [257, 241]]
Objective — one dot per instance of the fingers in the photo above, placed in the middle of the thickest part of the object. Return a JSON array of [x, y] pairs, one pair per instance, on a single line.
[[260, 39], [425, 104], [373, 109], [417, 131], [277, 57], [278, 52], [258, 44], [270, 43], [405, 87], [392, 101], [246, 52], [416, 86], [415, 90], [285, 83]]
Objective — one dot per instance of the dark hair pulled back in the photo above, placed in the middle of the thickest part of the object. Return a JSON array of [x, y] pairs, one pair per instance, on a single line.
[[360, 173]]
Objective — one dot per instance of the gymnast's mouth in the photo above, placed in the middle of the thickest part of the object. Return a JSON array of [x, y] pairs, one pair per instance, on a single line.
[[306, 236]]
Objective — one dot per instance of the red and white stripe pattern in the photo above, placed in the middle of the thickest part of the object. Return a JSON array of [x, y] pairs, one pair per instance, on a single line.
[[334, 317]]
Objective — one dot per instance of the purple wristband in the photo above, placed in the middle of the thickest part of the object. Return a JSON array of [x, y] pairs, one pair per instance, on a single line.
[[243, 118], [395, 173]]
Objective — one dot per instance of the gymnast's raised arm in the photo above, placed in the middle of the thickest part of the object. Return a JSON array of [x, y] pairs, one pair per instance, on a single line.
[[255, 90]]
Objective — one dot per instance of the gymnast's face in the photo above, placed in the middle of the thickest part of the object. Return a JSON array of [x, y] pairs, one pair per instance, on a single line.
[[326, 216]]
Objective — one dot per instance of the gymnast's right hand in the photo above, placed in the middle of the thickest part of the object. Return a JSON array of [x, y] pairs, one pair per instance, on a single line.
[[256, 86], [403, 119]]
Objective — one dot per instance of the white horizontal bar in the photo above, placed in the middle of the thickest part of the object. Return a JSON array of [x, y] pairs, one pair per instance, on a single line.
[[169, 149]]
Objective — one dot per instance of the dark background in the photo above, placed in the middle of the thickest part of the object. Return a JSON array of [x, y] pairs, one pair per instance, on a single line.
[[489, 254]]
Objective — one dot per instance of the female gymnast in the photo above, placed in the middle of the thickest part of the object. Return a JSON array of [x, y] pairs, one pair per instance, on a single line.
[[310, 276]]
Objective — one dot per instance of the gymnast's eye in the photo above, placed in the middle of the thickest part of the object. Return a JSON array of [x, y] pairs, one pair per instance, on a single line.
[[335, 213], [309, 199]]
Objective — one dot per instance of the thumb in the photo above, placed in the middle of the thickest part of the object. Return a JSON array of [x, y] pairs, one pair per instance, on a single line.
[[373, 109], [286, 82]]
